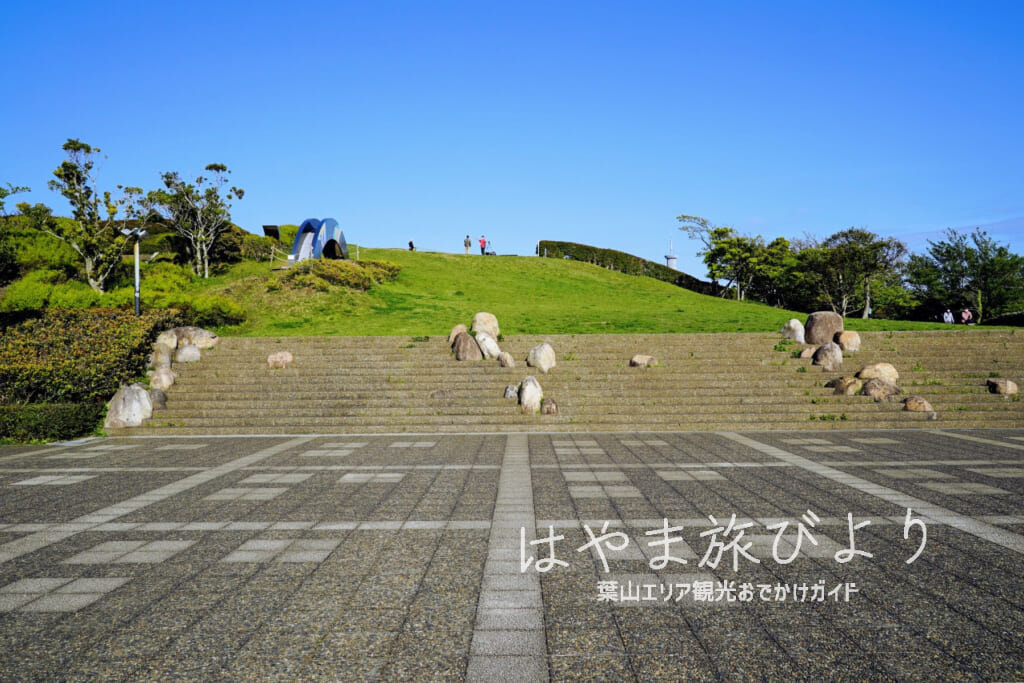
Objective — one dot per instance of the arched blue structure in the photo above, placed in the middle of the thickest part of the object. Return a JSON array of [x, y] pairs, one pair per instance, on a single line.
[[319, 239]]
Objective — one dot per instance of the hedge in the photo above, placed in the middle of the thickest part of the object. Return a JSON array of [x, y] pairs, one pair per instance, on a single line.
[[624, 263], [76, 356], [48, 421]]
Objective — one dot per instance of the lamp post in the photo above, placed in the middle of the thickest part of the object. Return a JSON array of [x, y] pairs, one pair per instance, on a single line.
[[139, 234]]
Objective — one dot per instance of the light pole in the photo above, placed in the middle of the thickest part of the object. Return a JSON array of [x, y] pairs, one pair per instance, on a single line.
[[139, 234]]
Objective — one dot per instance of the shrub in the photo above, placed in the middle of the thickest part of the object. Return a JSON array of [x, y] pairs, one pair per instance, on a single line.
[[624, 263], [48, 421], [323, 274], [31, 292], [211, 310], [76, 356]]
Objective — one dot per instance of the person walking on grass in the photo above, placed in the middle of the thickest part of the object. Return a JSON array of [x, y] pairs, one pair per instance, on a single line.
[[467, 243], [483, 245]]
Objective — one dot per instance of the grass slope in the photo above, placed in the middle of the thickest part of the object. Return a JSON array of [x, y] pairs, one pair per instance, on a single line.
[[529, 295]]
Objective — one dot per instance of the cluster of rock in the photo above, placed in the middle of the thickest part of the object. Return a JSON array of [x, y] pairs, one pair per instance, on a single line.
[[826, 336], [480, 342], [530, 397], [135, 403], [828, 341]]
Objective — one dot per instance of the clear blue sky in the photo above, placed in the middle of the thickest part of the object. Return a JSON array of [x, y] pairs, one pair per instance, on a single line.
[[594, 122]]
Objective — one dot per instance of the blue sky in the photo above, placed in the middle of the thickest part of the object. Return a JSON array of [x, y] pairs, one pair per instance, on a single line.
[[593, 122]]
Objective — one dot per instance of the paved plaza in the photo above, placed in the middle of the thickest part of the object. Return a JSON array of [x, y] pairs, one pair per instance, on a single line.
[[850, 555]]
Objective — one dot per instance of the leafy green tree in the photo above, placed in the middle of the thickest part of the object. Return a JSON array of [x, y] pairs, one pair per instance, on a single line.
[[6, 192], [199, 211], [968, 271], [91, 232], [8, 257], [842, 268]]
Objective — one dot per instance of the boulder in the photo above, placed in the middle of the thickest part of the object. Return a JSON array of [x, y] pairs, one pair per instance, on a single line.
[[189, 353], [845, 385], [161, 356], [808, 352], [821, 327], [1002, 386], [158, 397], [465, 347], [163, 379], [197, 336], [548, 407], [641, 360], [512, 391], [129, 407], [279, 359], [488, 346], [168, 338], [530, 394], [916, 404], [794, 329], [506, 360], [485, 322], [848, 340], [829, 356], [542, 357], [455, 332], [879, 371], [879, 389]]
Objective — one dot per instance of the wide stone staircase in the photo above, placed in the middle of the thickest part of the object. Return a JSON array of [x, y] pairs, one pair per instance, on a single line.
[[351, 385]]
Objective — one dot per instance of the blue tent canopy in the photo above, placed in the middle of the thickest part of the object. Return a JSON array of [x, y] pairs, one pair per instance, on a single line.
[[319, 239]]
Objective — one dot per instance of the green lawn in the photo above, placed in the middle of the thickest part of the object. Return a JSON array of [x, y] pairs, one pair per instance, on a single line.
[[529, 295]]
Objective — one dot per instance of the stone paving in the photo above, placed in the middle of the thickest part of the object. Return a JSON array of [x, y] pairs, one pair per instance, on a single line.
[[850, 555]]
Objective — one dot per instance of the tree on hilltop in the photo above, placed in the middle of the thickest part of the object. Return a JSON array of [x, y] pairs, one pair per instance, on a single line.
[[198, 211], [91, 232]]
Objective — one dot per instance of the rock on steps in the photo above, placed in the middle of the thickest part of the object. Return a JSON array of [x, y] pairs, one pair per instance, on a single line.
[[719, 381]]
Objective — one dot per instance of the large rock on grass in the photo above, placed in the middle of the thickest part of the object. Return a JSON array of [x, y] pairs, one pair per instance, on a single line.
[[821, 327], [465, 347], [129, 407], [829, 356], [506, 360], [542, 357], [485, 322], [642, 360]]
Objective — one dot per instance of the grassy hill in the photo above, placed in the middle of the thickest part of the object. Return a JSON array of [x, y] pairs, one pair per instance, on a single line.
[[529, 295]]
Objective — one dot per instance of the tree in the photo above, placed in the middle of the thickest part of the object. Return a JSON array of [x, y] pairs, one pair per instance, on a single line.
[[91, 233], [6, 192], [197, 211], [8, 258], [842, 268], [968, 272]]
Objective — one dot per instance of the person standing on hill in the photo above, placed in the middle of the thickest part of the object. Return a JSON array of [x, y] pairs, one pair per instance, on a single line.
[[947, 317], [467, 243], [483, 245]]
